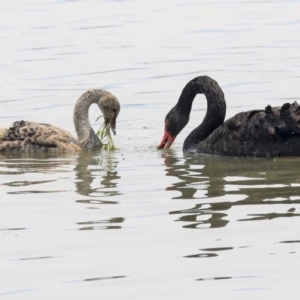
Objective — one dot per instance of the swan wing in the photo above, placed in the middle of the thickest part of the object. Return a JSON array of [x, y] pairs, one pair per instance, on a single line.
[[30, 136], [274, 131]]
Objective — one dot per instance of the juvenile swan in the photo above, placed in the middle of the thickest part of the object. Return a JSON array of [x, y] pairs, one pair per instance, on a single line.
[[25, 136], [273, 131]]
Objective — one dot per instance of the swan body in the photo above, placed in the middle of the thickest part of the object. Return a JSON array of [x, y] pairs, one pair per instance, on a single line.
[[269, 132], [26, 136]]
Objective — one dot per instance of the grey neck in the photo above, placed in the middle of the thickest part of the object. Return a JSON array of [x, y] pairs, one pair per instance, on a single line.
[[87, 138]]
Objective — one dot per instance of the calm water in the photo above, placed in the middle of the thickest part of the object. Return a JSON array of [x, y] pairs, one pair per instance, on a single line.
[[139, 223]]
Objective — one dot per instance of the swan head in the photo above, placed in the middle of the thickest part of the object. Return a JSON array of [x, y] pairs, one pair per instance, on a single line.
[[110, 108], [175, 121]]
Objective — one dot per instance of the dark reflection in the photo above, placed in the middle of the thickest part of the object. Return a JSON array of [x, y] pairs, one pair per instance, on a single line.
[[220, 183], [41, 257], [289, 242], [96, 201], [25, 183], [96, 279], [213, 220], [12, 229], [226, 277], [104, 278], [215, 278], [202, 255], [218, 249], [181, 169], [34, 192], [23, 163], [90, 166], [102, 224], [270, 216], [43, 163], [208, 252], [96, 177]]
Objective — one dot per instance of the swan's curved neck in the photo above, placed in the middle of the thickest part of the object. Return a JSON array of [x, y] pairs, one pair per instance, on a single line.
[[86, 136], [216, 108]]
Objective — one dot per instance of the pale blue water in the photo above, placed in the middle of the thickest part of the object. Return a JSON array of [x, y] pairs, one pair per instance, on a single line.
[[139, 223]]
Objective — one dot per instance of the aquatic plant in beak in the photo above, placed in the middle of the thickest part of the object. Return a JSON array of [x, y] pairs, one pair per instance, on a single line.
[[105, 136]]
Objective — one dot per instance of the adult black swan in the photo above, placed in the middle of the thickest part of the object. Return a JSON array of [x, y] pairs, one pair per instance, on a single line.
[[26, 136], [270, 132]]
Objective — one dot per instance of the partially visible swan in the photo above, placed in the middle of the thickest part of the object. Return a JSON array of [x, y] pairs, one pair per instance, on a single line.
[[25, 136], [270, 132]]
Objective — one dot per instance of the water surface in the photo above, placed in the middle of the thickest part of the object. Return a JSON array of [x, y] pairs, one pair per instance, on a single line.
[[139, 223]]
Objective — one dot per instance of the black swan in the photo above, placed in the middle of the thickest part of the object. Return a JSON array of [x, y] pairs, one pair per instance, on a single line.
[[24, 136], [270, 132]]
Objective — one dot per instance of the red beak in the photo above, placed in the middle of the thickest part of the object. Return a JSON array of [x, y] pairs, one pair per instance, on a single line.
[[166, 141]]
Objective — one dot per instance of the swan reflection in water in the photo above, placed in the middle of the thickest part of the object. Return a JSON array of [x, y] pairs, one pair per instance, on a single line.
[[221, 183], [89, 168], [96, 178]]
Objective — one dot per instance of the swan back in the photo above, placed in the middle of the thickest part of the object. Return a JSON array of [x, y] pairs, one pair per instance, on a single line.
[[272, 132], [25, 136]]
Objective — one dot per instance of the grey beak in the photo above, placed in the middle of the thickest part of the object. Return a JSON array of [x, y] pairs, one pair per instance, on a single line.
[[113, 126]]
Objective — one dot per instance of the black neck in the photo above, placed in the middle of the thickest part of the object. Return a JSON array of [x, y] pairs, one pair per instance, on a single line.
[[216, 108]]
